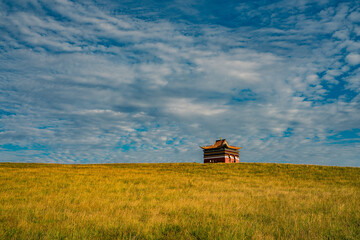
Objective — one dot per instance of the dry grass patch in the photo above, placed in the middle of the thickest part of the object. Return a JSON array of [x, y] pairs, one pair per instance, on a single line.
[[179, 201]]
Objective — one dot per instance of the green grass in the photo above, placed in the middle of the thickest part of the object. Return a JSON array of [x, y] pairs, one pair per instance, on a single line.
[[179, 201]]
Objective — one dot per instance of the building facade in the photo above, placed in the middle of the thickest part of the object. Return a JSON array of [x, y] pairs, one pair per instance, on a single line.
[[221, 152]]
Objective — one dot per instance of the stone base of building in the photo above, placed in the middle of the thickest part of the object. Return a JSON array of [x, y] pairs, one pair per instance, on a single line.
[[222, 160]]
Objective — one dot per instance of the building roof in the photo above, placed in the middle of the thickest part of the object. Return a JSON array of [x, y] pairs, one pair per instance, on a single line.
[[220, 143]]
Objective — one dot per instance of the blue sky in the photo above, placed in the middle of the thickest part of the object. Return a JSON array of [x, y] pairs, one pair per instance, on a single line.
[[150, 81]]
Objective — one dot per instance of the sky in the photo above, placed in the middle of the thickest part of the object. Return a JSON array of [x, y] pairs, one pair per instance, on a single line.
[[151, 81]]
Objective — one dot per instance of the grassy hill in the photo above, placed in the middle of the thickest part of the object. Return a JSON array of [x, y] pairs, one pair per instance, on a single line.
[[179, 201]]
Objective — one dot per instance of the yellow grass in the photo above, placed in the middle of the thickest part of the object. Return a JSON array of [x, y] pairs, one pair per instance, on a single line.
[[179, 201]]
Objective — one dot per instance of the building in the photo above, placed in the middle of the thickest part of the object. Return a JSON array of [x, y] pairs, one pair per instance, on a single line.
[[221, 152]]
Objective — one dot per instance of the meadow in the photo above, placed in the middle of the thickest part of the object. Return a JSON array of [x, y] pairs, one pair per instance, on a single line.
[[179, 201]]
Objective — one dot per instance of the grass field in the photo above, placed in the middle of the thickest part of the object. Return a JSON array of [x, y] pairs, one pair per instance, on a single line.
[[179, 201]]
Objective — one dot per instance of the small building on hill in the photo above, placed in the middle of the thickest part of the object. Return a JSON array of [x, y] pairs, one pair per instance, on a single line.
[[221, 152]]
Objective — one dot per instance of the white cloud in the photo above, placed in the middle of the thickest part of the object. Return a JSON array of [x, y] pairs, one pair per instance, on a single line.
[[187, 108], [342, 34], [312, 79], [353, 58], [355, 16]]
